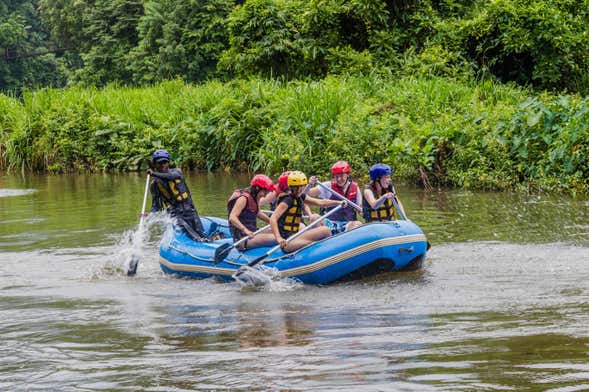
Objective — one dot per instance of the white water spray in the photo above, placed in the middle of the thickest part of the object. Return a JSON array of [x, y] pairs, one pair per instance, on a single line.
[[266, 278], [135, 243]]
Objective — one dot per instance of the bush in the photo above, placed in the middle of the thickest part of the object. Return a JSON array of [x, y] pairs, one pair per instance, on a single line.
[[543, 43]]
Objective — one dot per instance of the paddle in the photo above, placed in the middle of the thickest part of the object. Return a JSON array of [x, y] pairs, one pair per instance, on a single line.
[[134, 258], [395, 204], [289, 239], [356, 206], [222, 251], [401, 215]]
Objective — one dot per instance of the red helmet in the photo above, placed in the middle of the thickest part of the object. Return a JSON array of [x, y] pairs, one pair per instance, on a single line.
[[283, 182], [263, 181], [340, 167]]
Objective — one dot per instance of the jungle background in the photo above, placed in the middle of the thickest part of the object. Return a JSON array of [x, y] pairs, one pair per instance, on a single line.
[[464, 93]]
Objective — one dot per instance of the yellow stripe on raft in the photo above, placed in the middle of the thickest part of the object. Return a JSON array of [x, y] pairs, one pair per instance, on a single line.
[[307, 268], [197, 268], [351, 253]]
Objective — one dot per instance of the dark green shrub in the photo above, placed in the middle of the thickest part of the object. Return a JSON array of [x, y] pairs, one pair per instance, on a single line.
[[540, 43]]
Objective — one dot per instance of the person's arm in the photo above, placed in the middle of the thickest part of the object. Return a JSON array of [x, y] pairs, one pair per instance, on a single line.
[[358, 198], [311, 186], [238, 207], [375, 203], [263, 217], [268, 199], [280, 209], [323, 202], [307, 212], [172, 175]]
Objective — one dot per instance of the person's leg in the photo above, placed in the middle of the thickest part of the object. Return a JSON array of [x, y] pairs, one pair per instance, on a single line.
[[260, 240], [314, 217], [189, 230], [314, 234], [352, 225], [191, 217]]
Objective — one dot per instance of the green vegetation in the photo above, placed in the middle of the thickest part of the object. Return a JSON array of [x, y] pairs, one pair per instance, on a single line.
[[468, 134], [466, 93], [539, 43]]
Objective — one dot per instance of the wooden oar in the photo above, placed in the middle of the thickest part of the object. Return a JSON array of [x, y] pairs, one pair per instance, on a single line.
[[356, 206], [289, 239], [222, 251], [134, 258]]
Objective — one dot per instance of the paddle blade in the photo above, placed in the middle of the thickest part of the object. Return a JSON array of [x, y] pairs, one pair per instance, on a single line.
[[241, 270], [221, 252], [132, 270]]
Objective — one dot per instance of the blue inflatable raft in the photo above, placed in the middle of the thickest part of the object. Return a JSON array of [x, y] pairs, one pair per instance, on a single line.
[[368, 250]]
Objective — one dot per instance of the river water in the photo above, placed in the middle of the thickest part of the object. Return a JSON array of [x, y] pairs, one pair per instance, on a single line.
[[501, 304]]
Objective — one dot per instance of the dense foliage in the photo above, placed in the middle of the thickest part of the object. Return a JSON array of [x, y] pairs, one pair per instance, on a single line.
[[474, 135], [27, 56], [472, 93], [538, 43]]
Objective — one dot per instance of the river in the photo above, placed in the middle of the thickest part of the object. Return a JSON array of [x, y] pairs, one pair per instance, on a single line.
[[502, 302]]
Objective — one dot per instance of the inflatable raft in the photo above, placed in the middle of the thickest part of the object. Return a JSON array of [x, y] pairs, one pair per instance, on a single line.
[[368, 250]]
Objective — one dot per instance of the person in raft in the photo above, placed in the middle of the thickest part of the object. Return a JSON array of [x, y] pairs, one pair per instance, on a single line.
[[341, 183], [169, 189], [271, 198], [286, 220], [377, 204], [243, 209]]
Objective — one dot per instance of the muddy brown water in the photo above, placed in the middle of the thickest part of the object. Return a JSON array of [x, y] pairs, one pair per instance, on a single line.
[[501, 304]]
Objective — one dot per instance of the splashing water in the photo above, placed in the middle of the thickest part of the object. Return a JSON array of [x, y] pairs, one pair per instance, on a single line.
[[133, 243], [265, 278]]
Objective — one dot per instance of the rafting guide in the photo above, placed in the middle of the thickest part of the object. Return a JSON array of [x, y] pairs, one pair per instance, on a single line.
[[169, 189]]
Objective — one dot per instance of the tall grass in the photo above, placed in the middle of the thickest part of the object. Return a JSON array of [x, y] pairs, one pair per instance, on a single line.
[[476, 134]]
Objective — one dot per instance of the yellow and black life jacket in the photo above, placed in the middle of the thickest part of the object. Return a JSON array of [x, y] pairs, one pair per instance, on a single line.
[[289, 223], [174, 191], [384, 213]]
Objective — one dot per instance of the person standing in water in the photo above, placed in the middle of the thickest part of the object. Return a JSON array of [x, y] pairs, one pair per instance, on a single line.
[[169, 189]]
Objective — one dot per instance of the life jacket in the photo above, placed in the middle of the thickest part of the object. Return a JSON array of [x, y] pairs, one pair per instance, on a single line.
[[248, 215], [348, 213], [384, 213], [289, 223], [174, 191]]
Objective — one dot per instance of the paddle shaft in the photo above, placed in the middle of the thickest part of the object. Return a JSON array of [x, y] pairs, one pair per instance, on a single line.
[[236, 243], [144, 202], [134, 259], [395, 204], [350, 202], [296, 235]]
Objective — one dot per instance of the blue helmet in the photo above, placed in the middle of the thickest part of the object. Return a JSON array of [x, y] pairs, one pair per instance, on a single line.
[[160, 155], [378, 170]]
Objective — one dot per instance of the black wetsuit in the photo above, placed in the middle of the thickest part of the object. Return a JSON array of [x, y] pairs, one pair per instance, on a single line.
[[169, 189]]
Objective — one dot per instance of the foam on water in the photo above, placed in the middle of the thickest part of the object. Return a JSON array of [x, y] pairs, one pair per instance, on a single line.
[[16, 192], [263, 278], [133, 244]]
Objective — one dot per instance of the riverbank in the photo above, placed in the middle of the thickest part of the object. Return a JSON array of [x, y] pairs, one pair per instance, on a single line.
[[478, 135]]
